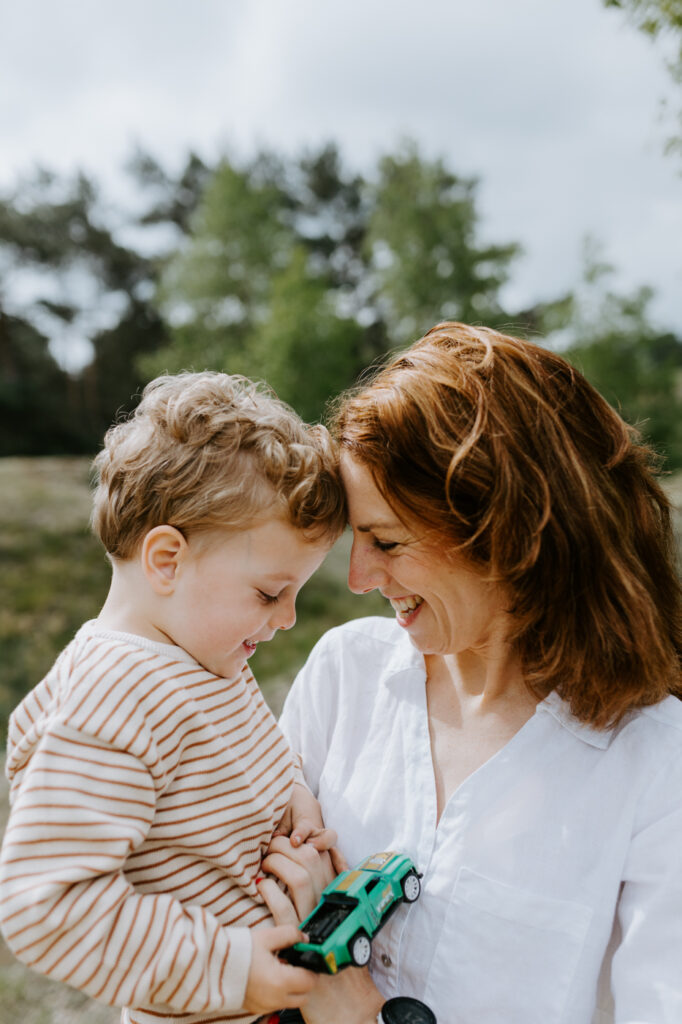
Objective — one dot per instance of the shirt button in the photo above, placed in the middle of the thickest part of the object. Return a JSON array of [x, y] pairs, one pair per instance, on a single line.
[[386, 960]]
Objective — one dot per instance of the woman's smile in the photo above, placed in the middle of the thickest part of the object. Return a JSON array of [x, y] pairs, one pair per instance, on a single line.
[[406, 608]]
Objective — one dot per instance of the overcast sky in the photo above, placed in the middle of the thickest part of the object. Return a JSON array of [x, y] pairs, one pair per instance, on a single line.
[[553, 104]]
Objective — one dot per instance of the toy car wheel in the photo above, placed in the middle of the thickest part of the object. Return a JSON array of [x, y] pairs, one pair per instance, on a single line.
[[360, 949], [411, 887]]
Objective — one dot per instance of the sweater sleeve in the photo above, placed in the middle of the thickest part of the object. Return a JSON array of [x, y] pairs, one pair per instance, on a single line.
[[66, 908]]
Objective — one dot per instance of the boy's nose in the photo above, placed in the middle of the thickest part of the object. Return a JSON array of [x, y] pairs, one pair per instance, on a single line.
[[285, 615]]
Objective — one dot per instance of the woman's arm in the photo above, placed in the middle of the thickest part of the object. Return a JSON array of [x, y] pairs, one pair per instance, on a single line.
[[646, 978]]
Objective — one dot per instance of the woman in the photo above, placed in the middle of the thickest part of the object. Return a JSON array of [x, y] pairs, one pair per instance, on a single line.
[[513, 728]]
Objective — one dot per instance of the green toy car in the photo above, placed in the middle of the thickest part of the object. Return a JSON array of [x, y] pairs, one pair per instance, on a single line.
[[352, 910]]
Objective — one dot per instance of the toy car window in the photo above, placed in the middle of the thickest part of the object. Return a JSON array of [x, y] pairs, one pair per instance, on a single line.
[[328, 917], [372, 882]]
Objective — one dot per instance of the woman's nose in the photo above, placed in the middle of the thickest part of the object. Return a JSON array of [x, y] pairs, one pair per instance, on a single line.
[[364, 571]]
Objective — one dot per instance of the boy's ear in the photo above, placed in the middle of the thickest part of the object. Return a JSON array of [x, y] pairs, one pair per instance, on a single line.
[[163, 550]]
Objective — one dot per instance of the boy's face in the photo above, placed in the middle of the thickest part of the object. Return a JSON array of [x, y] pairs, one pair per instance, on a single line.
[[235, 589]]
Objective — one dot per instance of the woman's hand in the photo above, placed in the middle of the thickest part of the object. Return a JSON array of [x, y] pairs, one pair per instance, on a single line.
[[303, 870], [349, 997]]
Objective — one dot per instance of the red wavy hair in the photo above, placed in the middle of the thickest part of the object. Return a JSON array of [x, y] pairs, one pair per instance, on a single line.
[[505, 451]]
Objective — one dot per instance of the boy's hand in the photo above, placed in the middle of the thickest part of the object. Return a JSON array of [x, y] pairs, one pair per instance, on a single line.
[[302, 821], [272, 984]]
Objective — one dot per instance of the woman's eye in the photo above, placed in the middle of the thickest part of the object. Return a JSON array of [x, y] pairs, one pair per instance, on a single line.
[[268, 598], [385, 545]]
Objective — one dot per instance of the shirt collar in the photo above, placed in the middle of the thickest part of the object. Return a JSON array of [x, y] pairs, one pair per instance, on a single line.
[[560, 710], [403, 658], [406, 658]]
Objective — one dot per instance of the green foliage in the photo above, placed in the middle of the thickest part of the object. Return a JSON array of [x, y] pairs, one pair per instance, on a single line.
[[63, 242], [303, 349], [35, 397], [425, 253], [302, 274], [218, 285], [85, 283], [290, 270], [652, 16], [172, 200], [635, 366]]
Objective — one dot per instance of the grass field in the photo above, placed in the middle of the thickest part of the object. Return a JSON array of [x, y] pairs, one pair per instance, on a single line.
[[54, 576]]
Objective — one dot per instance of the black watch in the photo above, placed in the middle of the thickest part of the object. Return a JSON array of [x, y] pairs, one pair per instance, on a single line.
[[404, 1010]]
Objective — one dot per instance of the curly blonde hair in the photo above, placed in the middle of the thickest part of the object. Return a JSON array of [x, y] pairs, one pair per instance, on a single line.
[[507, 453], [213, 450]]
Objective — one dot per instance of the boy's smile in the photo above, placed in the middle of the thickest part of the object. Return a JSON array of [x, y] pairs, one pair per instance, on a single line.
[[235, 589]]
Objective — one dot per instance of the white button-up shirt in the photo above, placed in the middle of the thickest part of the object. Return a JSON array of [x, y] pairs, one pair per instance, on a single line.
[[557, 861]]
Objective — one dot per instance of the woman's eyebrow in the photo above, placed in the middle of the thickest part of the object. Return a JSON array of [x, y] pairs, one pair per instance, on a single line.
[[378, 524]]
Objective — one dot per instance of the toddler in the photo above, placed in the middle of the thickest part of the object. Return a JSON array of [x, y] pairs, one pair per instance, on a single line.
[[147, 773]]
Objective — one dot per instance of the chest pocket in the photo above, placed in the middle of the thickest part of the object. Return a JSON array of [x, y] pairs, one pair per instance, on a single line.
[[507, 955]]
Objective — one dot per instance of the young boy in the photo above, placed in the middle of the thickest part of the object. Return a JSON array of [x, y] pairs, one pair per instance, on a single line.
[[147, 773]]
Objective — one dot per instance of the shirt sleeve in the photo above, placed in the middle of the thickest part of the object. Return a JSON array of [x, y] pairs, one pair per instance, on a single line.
[[66, 907], [647, 969], [309, 711]]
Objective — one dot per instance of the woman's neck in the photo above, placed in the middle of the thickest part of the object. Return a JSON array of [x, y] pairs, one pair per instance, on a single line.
[[485, 680]]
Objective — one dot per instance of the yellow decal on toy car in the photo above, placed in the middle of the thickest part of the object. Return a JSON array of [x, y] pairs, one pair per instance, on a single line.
[[348, 881], [376, 861]]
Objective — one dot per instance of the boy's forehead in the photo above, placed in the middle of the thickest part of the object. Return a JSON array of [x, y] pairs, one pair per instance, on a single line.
[[278, 547]]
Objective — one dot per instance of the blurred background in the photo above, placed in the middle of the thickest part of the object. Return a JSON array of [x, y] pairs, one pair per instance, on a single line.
[[290, 190]]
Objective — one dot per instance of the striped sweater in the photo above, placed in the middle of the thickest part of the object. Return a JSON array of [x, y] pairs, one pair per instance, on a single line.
[[144, 792]]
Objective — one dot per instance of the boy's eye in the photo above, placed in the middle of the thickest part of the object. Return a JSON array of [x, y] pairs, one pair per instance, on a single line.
[[268, 598], [385, 545]]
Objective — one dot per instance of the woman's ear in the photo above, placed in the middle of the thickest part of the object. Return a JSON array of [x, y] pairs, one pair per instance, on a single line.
[[162, 553]]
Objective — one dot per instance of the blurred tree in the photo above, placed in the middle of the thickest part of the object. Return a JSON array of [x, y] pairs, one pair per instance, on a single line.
[[216, 289], [37, 398], [78, 286], [171, 200], [303, 274], [424, 248], [304, 349], [637, 367], [84, 275]]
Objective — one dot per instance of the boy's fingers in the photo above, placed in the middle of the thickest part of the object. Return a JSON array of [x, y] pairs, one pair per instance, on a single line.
[[321, 838], [303, 829]]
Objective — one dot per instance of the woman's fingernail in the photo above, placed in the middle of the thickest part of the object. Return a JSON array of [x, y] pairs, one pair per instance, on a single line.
[[260, 878]]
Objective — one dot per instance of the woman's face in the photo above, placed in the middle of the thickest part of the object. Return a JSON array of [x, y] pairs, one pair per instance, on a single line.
[[443, 603]]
